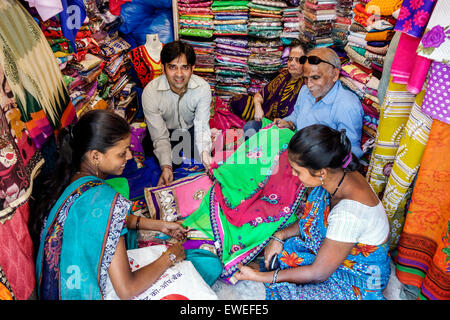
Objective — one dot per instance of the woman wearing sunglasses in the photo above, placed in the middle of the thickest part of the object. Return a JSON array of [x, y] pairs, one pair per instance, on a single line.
[[278, 97]]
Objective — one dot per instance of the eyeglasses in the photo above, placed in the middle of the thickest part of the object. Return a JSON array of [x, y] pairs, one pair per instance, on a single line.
[[313, 60], [297, 59]]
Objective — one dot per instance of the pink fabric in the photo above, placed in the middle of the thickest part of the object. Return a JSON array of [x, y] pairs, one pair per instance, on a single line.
[[281, 188], [223, 118], [187, 202], [16, 253], [115, 5], [418, 74], [404, 58]]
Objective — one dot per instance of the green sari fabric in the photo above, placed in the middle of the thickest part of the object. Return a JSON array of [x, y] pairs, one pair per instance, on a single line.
[[240, 178]]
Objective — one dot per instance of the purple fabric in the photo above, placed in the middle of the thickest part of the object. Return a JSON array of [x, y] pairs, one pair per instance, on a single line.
[[436, 102], [414, 16]]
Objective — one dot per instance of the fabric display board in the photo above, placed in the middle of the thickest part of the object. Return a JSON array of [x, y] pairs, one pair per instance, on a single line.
[[180, 282]]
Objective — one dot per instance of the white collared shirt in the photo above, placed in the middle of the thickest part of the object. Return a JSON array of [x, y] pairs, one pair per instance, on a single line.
[[164, 110]]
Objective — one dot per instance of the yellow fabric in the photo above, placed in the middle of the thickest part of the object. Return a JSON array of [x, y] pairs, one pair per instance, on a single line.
[[383, 7]]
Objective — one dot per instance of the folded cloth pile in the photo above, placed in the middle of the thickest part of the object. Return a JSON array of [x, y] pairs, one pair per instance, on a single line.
[[344, 16], [195, 18], [231, 66], [204, 64], [230, 17], [265, 18], [319, 17], [291, 24], [97, 76], [368, 40]]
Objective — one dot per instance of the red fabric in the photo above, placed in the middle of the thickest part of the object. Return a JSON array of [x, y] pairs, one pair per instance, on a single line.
[[223, 118], [114, 6], [16, 253]]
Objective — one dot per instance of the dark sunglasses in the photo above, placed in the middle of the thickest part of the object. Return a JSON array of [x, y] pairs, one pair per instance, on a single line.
[[313, 60]]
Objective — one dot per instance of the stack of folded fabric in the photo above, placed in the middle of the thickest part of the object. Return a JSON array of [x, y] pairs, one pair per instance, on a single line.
[[369, 38], [97, 75], [319, 17], [344, 16], [231, 67], [265, 28], [230, 17], [195, 18], [291, 24], [265, 61], [230, 31], [204, 63]]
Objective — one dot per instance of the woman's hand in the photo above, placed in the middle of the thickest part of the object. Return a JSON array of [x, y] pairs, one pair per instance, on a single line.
[[246, 273], [259, 113], [274, 248], [178, 250], [174, 229]]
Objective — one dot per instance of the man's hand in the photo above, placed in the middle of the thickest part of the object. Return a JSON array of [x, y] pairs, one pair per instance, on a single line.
[[280, 123], [206, 159], [166, 176]]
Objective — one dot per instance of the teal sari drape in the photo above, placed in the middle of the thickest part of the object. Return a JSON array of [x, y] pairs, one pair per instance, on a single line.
[[79, 239]]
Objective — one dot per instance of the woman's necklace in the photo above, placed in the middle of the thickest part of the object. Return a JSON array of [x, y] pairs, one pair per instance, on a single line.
[[339, 184]]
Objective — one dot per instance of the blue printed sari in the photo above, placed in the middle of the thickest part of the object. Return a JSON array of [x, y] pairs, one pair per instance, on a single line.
[[363, 274], [79, 240]]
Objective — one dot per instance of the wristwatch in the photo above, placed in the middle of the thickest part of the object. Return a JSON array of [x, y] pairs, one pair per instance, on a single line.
[[172, 258]]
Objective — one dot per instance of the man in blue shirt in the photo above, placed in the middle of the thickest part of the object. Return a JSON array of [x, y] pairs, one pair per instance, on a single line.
[[324, 100]]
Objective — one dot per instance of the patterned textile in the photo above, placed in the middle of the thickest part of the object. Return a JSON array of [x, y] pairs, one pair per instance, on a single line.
[[279, 97], [394, 115], [362, 276], [245, 182], [19, 158], [414, 16], [435, 43], [74, 256], [405, 166], [32, 72], [5, 288], [423, 257], [146, 68], [436, 103]]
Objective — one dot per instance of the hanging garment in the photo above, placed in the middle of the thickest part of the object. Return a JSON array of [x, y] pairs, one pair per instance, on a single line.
[[414, 16], [246, 205], [423, 257], [436, 103], [354, 279], [32, 72], [405, 165], [435, 43], [46, 8], [146, 68]]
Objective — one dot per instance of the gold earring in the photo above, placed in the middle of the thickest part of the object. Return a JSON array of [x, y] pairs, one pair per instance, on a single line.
[[321, 180], [96, 169]]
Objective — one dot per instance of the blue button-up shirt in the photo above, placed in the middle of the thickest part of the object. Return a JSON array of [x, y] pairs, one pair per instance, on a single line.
[[339, 109]]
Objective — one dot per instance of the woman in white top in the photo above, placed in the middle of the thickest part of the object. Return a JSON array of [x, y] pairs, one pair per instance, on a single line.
[[338, 249]]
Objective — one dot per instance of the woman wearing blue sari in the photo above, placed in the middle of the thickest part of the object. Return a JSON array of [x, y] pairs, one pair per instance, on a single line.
[[338, 249], [82, 238]]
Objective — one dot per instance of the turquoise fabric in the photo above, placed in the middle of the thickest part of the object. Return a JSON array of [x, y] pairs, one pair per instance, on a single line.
[[79, 240], [206, 263]]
